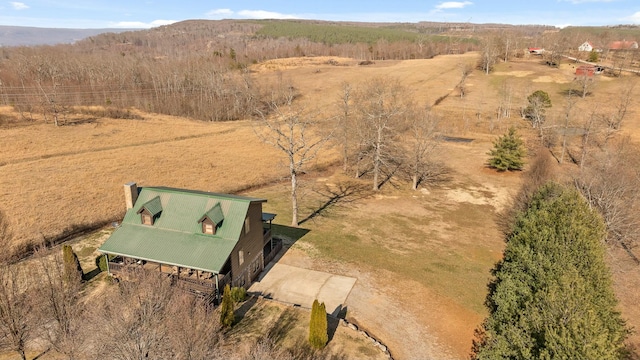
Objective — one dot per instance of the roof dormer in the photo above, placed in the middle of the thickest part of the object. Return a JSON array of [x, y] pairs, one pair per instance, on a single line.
[[212, 220], [150, 211]]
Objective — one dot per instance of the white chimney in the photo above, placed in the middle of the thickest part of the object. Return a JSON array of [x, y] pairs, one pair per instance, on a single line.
[[130, 194]]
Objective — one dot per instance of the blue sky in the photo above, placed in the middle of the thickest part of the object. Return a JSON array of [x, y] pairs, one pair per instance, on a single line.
[[149, 13]]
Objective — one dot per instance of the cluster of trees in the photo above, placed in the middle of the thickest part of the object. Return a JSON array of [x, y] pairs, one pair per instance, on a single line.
[[380, 131], [606, 164], [552, 295]]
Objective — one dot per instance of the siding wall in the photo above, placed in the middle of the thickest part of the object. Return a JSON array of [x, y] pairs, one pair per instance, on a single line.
[[251, 245]]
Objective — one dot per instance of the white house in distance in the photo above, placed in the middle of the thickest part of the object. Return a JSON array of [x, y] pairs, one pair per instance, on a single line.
[[586, 46]]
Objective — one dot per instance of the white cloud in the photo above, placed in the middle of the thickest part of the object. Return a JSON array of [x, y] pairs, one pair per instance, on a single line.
[[263, 14], [453, 5], [220, 12], [635, 18], [140, 24], [19, 6]]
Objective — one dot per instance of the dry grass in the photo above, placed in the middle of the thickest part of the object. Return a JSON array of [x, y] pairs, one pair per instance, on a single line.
[[430, 251], [57, 178]]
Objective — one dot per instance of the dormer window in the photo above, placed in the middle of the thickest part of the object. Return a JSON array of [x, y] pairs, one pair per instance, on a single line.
[[212, 220], [150, 211]]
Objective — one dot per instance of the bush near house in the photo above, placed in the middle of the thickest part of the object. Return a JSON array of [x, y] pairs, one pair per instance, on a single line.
[[227, 316], [318, 336], [72, 269]]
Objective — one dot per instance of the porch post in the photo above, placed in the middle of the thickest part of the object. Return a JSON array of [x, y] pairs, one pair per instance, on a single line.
[[217, 289], [106, 258]]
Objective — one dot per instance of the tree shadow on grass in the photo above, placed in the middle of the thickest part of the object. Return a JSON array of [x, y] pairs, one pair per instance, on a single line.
[[342, 193], [281, 327], [91, 274], [242, 311], [333, 320]]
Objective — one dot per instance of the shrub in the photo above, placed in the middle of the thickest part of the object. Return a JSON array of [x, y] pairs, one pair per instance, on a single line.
[[508, 152], [318, 336], [227, 317], [238, 294], [72, 269], [101, 263]]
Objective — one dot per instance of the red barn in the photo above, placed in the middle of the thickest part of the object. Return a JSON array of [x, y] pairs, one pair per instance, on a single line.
[[586, 70]]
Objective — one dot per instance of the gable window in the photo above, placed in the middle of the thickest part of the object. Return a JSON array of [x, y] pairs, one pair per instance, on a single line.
[[247, 227], [150, 211], [212, 220], [240, 257]]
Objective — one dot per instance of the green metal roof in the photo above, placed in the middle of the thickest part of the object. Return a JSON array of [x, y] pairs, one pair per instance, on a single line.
[[176, 236]]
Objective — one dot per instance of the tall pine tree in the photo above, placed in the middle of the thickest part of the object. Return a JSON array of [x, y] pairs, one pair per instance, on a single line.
[[552, 296]]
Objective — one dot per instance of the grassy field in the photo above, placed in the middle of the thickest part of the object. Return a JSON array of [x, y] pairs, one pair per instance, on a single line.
[[422, 259]]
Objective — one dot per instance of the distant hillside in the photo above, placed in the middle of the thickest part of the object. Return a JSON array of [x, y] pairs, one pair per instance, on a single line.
[[29, 36]]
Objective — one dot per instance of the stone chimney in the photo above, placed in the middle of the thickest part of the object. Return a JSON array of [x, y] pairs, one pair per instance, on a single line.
[[130, 194]]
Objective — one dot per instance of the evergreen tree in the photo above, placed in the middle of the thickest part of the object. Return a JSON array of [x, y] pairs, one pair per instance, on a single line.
[[227, 317], [593, 56], [318, 336], [508, 152], [72, 268], [552, 296]]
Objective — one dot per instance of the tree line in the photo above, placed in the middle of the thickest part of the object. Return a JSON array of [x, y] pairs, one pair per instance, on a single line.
[[379, 130], [196, 69]]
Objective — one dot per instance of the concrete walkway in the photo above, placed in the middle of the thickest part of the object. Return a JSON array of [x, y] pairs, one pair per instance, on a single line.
[[302, 286]]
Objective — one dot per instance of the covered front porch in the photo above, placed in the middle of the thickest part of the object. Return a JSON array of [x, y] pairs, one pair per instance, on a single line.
[[198, 282]]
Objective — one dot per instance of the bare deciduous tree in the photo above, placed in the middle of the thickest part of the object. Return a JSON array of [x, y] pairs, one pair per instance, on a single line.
[[610, 183], [422, 138], [15, 309], [132, 319], [465, 70], [615, 121], [288, 128], [61, 308], [5, 236], [345, 126], [194, 329], [382, 109], [568, 112], [585, 84], [488, 54]]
